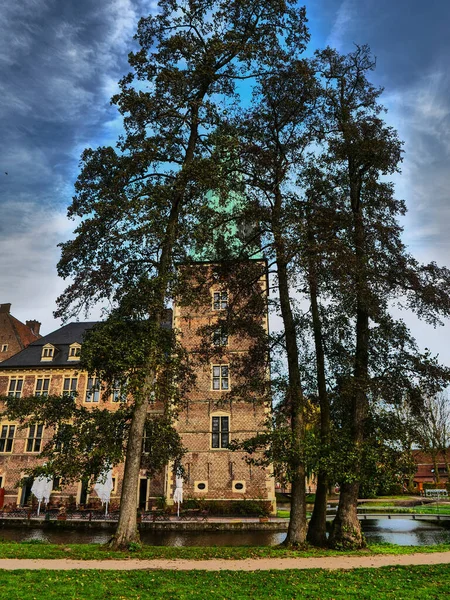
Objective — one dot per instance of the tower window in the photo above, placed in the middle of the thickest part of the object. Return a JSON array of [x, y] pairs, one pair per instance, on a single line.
[[220, 377], [220, 337], [220, 432], [220, 300]]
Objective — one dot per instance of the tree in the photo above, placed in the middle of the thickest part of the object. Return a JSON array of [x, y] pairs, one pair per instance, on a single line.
[[375, 268], [140, 202], [273, 135]]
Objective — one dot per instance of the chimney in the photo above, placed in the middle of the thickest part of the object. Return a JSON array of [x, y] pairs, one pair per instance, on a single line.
[[34, 326], [5, 308]]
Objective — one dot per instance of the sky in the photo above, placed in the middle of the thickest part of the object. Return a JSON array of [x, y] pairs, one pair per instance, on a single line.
[[59, 66]]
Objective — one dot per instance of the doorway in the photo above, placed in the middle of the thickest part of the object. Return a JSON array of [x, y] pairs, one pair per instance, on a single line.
[[25, 495], [144, 485]]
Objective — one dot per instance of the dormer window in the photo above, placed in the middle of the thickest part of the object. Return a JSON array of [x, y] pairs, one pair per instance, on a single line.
[[48, 352], [74, 351]]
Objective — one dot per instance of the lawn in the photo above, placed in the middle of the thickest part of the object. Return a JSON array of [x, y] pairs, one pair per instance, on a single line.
[[41, 550], [399, 583]]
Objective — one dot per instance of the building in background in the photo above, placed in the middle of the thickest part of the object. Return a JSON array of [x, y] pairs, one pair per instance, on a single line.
[[15, 335]]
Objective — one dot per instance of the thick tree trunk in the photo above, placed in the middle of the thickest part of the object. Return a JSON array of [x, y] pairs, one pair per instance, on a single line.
[[346, 529], [127, 531], [317, 529], [296, 534]]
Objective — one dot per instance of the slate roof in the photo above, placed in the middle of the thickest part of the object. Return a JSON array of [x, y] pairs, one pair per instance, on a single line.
[[61, 338]]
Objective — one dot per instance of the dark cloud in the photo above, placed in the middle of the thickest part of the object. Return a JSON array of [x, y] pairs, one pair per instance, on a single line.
[[60, 61]]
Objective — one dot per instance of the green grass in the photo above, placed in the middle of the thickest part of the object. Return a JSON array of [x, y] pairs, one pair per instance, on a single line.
[[387, 583], [423, 510], [40, 550], [283, 514]]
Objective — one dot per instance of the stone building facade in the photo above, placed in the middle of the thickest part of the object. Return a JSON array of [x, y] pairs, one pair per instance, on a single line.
[[210, 419], [207, 423]]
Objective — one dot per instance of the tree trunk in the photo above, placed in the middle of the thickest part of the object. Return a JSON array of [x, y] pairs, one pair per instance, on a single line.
[[296, 534], [297, 525], [317, 530], [346, 529], [127, 531]]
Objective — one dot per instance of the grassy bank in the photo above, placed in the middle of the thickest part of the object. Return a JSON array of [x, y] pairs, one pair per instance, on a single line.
[[387, 583], [41, 550]]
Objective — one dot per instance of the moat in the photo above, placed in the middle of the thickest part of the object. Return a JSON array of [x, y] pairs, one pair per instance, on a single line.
[[394, 531]]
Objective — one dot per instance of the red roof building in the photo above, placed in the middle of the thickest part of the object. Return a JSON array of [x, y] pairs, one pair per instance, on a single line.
[[15, 335], [426, 469]]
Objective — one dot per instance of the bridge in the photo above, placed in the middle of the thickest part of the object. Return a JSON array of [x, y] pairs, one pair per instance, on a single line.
[[395, 515]]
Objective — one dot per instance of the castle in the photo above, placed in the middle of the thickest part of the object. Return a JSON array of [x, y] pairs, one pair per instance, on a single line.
[[207, 423]]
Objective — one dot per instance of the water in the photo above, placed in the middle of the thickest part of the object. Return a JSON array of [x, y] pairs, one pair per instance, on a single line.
[[394, 531]]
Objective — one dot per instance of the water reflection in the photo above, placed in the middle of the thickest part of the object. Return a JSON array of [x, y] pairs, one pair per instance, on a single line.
[[395, 531]]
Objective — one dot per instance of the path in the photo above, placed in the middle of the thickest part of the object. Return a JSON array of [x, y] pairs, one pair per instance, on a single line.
[[263, 564]]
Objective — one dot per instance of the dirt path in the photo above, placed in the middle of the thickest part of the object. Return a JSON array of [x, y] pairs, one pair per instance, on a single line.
[[263, 564]]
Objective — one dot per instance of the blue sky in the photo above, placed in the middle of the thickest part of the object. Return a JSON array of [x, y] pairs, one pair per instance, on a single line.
[[59, 64]]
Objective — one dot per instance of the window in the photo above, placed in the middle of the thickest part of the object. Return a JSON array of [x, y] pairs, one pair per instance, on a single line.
[[4, 347], [15, 388], [70, 386], [220, 300], [6, 438], [74, 352], [48, 352], [34, 438], [42, 386], [93, 390], [220, 337], [220, 432], [146, 442], [220, 377], [117, 395], [63, 434]]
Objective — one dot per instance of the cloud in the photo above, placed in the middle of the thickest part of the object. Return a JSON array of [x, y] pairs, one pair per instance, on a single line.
[[345, 16], [60, 63]]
